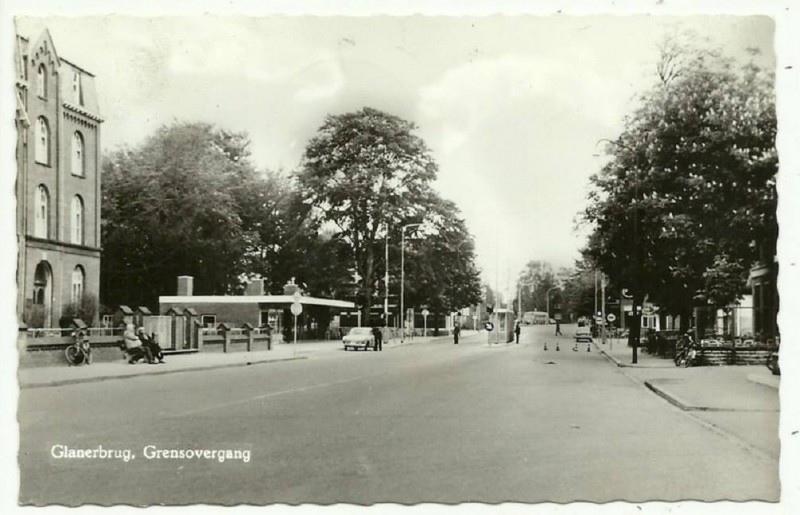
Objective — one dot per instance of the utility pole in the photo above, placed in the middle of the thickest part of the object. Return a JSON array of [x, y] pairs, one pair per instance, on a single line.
[[603, 306]]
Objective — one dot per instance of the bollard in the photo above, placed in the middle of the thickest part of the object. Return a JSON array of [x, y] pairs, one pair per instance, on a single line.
[[575, 347]]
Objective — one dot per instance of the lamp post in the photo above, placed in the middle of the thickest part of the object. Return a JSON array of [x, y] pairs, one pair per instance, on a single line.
[[403, 279], [548, 302]]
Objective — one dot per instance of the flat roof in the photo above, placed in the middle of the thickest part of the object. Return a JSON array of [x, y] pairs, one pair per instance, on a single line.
[[253, 299]]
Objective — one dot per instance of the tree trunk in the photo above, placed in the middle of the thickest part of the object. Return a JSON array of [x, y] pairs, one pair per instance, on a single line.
[[367, 291]]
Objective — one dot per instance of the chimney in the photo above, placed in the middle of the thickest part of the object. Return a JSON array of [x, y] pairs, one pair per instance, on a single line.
[[185, 285], [255, 287]]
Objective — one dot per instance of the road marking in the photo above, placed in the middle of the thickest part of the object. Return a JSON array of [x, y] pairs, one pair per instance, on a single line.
[[272, 394]]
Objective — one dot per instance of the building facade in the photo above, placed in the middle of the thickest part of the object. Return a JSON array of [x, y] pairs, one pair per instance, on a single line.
[[58, 183]]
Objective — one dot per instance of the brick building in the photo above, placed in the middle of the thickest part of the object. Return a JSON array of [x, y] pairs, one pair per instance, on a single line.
[[58, 182]]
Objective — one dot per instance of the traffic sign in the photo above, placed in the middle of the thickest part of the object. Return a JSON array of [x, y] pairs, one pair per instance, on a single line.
[[296, 308], [610, 317], [489, 326], [425, 312]]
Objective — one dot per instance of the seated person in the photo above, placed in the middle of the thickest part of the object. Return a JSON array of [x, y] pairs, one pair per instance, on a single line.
[[150, 343], [133, 346]]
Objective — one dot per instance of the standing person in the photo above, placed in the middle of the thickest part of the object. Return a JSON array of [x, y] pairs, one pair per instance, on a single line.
[[456, 332], [558, 328], [376, 332], [517, 331]]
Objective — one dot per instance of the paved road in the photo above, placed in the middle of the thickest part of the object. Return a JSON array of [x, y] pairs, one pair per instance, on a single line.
[[431, 422]]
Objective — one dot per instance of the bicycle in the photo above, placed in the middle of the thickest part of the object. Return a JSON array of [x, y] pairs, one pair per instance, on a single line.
[[79, 352], [685, 351]]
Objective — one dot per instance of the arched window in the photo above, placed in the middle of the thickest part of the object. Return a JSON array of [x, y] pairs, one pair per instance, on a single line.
[[77, 284], [42, 214], [77, 154], [41, 81], [77, 220], [42, 141]]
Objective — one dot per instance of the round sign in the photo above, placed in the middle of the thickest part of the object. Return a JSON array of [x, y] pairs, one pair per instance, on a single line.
[[297, 308], [489, 326], [425, 312], [610, 317]]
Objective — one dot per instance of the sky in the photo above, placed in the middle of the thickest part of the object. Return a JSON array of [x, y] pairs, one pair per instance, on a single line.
[[513, 108]]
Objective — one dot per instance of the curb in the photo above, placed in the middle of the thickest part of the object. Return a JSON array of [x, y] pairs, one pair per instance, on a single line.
[[673, 399], [97, 379], [685, 406], [770, 381]]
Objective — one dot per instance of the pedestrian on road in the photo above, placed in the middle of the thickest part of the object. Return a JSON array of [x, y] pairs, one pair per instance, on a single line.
[[558, 328], [376, 332], [456, 332], [517, 330]]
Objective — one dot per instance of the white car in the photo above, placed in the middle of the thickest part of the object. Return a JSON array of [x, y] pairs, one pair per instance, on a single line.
[[359, 338], [583, 333]]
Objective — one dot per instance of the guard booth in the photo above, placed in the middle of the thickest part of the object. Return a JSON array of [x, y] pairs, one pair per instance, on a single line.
[[503, 321]]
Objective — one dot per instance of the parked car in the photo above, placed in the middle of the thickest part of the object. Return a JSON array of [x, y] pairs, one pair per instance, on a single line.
[[359, 338], [583, 334]]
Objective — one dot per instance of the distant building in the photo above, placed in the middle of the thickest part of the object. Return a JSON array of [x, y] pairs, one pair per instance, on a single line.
[[58, 182], [764, 283]]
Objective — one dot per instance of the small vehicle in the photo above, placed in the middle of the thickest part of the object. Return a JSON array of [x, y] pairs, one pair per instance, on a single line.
[[583, 334], [773, 363], [359, 338], [79, 352], [686, 351]]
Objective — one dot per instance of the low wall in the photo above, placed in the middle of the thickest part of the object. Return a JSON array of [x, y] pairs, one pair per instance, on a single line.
[[730, 356], [45, 352]]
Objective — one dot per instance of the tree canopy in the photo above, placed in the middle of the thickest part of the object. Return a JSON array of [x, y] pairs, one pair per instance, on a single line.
[[367, 174], [690, 185], [188, 201]]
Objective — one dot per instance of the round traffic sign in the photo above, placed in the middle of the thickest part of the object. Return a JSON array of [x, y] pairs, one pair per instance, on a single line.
[[489, 326], [296, 308], [425, 312], [610, 317]]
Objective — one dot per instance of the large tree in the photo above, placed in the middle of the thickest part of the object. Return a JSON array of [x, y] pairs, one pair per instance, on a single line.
[[690, 184], [168, 211], [442, 263], [367, 173], [189, 201]]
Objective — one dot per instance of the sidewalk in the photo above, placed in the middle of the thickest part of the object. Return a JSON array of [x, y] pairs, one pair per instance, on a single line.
[[34, 377], [708, 388]]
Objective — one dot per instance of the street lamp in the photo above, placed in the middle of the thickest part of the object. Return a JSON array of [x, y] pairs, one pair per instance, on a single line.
[[548, 301], [402, 279]]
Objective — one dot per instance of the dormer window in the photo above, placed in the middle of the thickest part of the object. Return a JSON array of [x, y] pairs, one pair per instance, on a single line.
[[41, 81], [76, 88]]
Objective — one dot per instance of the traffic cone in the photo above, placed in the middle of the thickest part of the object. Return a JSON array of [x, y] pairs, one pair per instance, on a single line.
[[588, 347], [575, 347], [545, 345], [557, 346]]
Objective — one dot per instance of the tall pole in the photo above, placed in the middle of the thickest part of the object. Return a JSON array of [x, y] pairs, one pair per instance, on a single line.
[[403, 279], [603, 306], [386, 283], [402, 284]]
